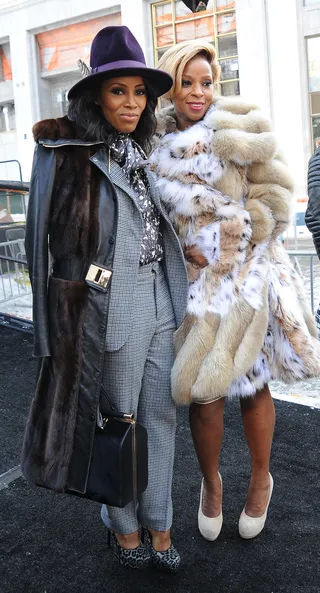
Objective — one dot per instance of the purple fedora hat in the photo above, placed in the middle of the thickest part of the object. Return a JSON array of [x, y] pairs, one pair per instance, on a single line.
[[116, 52]]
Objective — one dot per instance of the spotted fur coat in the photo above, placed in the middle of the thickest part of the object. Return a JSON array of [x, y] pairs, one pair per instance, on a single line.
[[227, 190]]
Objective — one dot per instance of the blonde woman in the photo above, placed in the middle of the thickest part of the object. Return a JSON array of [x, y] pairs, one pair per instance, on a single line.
[[228, 194]]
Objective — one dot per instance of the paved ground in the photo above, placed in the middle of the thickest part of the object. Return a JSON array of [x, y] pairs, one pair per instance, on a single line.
[[53, 543]]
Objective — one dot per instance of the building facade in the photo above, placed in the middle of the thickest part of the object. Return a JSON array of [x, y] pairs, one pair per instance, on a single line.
[[269, 52]]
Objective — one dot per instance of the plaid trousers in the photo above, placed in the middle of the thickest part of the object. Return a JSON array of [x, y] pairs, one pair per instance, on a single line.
[[137, 380]]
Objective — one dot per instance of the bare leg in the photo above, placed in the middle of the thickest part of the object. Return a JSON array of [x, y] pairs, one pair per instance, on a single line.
[[161, 540], [206, 423], [128, 541], [258, 416]]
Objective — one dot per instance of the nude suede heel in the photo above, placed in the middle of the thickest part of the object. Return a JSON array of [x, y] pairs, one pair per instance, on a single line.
[[250, 527], [209, 527]]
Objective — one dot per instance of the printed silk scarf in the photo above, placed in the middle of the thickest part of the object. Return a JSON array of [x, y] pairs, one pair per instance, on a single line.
[[130, 156]]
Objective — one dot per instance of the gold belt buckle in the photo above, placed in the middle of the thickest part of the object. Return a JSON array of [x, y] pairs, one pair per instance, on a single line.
[[98, 277]]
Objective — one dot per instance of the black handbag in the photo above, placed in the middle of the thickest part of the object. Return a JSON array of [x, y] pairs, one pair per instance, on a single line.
[[118, 470]]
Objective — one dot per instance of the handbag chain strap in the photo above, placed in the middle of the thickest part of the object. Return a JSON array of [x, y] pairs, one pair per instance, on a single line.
[[124, 418], [114, 413]]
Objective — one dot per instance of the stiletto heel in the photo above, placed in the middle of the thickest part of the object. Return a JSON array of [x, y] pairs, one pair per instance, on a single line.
[[250, 527], [209, 527], [137, 558], [167, 561], [142, 535]]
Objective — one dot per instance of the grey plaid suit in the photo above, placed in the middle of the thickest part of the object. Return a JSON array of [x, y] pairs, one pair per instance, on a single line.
[[146, 304]]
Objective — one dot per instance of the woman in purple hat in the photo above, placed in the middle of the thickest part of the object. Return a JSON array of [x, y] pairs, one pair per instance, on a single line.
[[117, 289]]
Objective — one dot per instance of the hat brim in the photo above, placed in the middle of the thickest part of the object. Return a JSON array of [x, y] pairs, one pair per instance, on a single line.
[[160, 81]]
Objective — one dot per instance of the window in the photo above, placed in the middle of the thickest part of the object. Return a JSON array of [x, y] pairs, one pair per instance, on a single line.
[[5, 63], [313, 46], [59, 86], [7, 117], [59, 51], [173, 22]]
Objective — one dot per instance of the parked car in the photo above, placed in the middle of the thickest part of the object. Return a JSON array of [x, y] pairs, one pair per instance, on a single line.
[[13, 201], [15, 289], [297, 236]]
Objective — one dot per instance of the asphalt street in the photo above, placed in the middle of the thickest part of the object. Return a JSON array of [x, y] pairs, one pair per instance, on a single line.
[[52, 543]]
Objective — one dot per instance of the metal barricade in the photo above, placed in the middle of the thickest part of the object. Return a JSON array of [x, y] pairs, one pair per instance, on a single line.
[[15, 289], [306, 262], [16, 293]]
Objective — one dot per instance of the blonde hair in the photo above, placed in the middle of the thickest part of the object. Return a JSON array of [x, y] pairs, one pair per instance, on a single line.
[[175, 59]]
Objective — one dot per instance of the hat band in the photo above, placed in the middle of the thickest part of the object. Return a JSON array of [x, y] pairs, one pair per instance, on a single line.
[[118, 65]]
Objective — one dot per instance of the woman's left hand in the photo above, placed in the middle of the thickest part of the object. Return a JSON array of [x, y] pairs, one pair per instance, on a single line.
[[195, 257]]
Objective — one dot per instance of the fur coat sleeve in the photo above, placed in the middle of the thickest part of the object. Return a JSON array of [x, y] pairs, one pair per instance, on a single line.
[[243, 136]]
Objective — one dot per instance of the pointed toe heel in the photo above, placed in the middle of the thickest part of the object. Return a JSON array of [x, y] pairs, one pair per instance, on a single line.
[[167, 561], [209, 527], [250, 527]]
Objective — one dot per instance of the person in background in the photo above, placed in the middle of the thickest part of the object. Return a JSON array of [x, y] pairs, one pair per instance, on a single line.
[[97, 205], [312, 216], [228, 194]]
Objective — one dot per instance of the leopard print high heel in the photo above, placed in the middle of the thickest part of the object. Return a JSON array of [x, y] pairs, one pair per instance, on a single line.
[[138, 558], [167, 561]]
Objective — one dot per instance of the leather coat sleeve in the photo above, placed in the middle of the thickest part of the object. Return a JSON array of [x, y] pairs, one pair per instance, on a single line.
[[312, 217], [41, 184]]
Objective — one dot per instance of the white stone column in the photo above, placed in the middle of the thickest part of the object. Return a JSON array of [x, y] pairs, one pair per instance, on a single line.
[[288, 85], [133, 15], [23, 97], [253, 52]]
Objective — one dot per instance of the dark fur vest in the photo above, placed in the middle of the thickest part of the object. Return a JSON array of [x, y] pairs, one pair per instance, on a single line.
[[62, 418]]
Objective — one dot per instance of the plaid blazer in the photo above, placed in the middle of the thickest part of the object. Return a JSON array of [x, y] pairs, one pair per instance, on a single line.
[[127, 255]]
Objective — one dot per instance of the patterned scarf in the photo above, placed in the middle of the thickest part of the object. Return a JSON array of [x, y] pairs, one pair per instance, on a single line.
[[130, 156]]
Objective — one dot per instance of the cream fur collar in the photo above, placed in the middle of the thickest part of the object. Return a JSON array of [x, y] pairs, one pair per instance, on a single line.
[[237, 113], [240, 132]]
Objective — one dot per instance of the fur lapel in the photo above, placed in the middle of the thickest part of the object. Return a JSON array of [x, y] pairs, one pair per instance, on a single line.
[[55, 129]]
